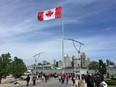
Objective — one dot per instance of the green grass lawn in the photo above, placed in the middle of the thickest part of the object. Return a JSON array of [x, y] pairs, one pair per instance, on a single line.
[[111, 86]]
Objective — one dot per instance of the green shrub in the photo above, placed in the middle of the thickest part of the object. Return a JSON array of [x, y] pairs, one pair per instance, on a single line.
[[111, 82], [107, 75], [113, 78]]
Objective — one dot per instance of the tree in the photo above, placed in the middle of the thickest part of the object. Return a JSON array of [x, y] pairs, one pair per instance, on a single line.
[[18, 67], [5, 62], [102, 67], [94, 66]]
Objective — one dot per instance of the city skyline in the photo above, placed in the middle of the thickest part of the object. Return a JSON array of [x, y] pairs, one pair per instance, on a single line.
[[90, 22], [72, 62]]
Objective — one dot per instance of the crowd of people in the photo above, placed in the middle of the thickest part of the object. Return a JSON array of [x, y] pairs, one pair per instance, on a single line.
[[94, 80], [38, 76], [91, 80]]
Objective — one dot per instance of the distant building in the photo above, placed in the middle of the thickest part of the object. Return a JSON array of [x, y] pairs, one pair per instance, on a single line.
[[83, 57], [82, 60], [109, 63], [54, 61], [67, 61], [60, 64], [87, 62], [48, 67], [72, 63], [56, 64], [44, 62], [75, 62]]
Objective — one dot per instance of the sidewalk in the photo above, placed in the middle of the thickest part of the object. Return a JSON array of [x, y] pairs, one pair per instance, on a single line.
[[22, 83]]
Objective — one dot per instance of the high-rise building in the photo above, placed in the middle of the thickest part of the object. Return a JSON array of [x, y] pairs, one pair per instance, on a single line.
[[75, 62], [109, 63], [87, 62], [73, 57], [54, 62], [82, 58], [60, 64], [67, 61], [44, 62]]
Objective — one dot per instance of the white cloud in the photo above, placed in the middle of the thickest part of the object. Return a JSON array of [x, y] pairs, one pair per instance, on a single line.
[[53, 50]]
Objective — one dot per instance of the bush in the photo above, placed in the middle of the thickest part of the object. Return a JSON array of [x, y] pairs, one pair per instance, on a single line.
[[113, 78], [111, 82], [107, 75]]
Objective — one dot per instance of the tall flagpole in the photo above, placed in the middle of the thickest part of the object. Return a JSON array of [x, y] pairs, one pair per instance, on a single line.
[[63, 40]]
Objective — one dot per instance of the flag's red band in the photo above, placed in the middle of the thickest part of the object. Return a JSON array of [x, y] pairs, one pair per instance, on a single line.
[[40, 16], [58, 13]]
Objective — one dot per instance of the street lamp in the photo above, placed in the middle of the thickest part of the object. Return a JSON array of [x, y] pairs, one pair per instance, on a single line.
[[36, 58], [77, 50]]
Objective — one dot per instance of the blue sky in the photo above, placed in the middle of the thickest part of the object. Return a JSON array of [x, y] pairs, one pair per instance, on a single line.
[[92, 22]]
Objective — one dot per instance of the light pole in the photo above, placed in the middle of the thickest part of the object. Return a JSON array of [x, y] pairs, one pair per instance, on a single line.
[[36, 58], [77, 51]]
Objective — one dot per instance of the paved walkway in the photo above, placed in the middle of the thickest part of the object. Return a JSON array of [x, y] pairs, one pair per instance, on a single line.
[[21, 82]]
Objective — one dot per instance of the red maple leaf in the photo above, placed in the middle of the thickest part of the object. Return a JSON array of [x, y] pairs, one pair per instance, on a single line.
[[49, 13]]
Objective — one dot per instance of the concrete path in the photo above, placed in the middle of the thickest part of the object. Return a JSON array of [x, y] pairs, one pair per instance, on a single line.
[[6, 82]]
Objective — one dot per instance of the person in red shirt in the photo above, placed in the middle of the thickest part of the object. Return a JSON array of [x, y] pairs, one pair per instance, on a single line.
[[67, 78]]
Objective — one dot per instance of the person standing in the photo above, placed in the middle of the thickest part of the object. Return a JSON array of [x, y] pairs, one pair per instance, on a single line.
[[46, 77], [67, 78], [27, 79], [91, 80], [76, 81], [98, 80], [73, 79], [63, 79], [59, 78], [34, 79]]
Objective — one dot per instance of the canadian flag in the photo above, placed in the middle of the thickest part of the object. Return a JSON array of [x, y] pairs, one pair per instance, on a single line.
[[50, 14]]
